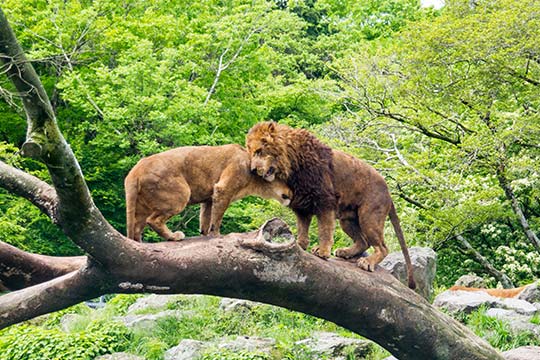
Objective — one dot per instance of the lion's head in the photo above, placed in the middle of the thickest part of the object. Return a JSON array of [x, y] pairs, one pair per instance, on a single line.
[[267, 150]]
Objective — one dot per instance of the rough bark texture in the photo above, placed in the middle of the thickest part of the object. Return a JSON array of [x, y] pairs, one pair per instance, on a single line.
[[238, 265], [375, 305]]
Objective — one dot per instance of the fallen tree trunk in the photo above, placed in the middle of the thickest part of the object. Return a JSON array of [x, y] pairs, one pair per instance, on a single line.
[[374, 305], [246, 266]]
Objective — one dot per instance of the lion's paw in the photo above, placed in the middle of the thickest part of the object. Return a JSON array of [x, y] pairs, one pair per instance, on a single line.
[[303, 243], [177, 236], [364, 264], [317, 251], [343, 253]]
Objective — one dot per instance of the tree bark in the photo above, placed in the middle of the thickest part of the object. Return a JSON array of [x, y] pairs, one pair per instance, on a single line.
[[247, 266], [374, 305], [505, 185]]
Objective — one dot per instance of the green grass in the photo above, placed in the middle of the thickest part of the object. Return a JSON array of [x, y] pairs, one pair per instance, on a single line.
[[498, 332], [94, 332]]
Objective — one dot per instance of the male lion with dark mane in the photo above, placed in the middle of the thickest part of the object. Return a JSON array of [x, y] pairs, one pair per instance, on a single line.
[[297, 157], [316, 173], [162, 185]]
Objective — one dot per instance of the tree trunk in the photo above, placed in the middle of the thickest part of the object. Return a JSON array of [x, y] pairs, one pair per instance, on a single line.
[[246, 266], [374, 305], [505, 185], [503, 278]]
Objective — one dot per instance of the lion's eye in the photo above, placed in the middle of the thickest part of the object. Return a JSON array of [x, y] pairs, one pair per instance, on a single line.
[[258, 152], [284, 196]]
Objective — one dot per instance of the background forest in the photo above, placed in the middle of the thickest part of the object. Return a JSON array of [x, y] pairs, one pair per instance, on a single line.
[[443, 103]]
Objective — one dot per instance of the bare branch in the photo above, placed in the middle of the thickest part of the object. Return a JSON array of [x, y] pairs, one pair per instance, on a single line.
[[31, 188], [19, 269]]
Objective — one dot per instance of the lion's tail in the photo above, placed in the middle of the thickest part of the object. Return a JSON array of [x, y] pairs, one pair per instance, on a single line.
[[399, 233], [132, 192]]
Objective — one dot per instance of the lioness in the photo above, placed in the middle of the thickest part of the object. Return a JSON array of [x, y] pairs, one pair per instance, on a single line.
[[162, 185], [363, 200]]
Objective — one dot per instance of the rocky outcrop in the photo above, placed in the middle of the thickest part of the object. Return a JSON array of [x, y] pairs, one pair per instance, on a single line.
[[152, 301], [147, 321], [531, 293], [120, 356], [187, 349], [424, 261], [230, 304], [523, 353], [471, 280], [332, 346], [468, 301]]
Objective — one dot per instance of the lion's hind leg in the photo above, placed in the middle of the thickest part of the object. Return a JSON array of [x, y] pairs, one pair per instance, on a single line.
[[372, 224], [170, 203]]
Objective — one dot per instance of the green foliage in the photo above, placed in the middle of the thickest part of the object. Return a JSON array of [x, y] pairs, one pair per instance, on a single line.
[[444, 110], [121, 302], [234, 355], [36, 343]]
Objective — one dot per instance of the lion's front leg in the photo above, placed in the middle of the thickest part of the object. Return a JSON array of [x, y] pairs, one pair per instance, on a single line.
[[221, 199], [302, 223], [326, 223]]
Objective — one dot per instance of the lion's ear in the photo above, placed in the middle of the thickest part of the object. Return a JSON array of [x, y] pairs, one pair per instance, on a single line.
[[271, 126]]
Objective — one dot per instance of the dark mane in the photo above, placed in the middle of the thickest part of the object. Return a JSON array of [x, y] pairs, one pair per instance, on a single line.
[[311, 175]]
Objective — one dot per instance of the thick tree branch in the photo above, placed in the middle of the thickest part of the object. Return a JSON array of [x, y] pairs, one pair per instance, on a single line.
[[76, 212], [19, 269], [59, 293], [375, 305], [31, 188]]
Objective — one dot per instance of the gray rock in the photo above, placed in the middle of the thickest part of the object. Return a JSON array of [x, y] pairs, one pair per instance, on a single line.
[[390, 358], [523, 353], [119, 356], [471, 280], [424, 261], [327, 344], [468, 301], [152, 301], [187, 349], [229, 304], [248, 343], [517, 322], [531, 293], [69, 321], [147, 321]]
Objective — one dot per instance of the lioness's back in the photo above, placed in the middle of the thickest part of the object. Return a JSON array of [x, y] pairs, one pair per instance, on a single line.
[[199, 166]]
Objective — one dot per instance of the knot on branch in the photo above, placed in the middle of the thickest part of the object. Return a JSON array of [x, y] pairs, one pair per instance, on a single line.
[[273, 237], [31, 149]]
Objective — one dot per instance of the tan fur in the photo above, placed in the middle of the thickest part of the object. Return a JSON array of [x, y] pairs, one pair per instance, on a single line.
[[162, 185], [364, 204], [502, 293], [364, 201]]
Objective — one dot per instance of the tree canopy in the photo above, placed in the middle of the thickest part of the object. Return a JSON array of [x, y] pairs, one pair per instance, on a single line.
[[443, 103]]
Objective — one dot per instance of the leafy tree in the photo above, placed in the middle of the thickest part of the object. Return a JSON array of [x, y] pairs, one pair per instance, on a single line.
[[451, 108]]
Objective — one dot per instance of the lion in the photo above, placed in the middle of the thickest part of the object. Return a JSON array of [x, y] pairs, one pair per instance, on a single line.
[[363, 200], [502, 293], [297, 157], [162, 185]]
